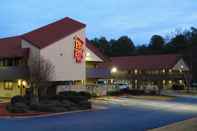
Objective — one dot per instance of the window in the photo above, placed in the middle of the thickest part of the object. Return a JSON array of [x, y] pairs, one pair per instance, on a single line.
[[1, 62], [9, 62], [8, 85], [5, 62]]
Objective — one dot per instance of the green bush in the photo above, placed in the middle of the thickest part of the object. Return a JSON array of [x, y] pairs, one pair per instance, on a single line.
[[85, 94], [17, 108], [84, 105], [18, 99], [73, 93], [65, 101], [125, 91], [113, 93]]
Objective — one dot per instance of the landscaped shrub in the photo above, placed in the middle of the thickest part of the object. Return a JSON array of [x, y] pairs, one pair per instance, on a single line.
[[94, 95], [125, 91], [17, 108], [73, 93], [76, 99], [113, 93], [85, 94], [18, 99], [136, 92], [83, 105], [177, 87], [152, 93], [68, 104], [69, 93], [65, 101]]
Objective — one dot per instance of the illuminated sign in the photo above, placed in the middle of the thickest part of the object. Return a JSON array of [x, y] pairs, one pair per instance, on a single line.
[[78, 49]]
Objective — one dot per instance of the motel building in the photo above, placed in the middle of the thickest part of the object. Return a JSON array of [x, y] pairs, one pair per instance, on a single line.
[[78, 62], [162, 71], [63, 43]]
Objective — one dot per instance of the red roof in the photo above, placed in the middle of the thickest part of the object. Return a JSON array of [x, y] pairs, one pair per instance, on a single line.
[[145, 62], [51, 33], [96, 51], [11, 47]]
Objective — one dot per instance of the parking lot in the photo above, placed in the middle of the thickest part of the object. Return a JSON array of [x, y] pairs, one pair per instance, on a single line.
[[119, 114]]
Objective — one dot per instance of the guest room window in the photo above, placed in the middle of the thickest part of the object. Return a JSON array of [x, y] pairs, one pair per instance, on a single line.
[[8, 85]]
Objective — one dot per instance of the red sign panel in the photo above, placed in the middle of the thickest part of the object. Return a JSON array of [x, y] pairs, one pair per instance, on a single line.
[[78, 49]]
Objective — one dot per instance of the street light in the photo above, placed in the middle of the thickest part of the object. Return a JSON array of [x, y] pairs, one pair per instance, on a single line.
[[114, 70]]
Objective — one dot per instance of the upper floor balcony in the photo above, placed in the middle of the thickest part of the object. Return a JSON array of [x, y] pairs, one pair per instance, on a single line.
[[97, 73], [14, 72]]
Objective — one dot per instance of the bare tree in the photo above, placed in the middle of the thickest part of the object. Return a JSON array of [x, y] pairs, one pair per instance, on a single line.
[[41, 72]]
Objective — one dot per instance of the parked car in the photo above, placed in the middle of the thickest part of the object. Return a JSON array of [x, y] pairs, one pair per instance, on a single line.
[[194, 85], [151, 88], [177, 87], [123, 86], [101, 82]]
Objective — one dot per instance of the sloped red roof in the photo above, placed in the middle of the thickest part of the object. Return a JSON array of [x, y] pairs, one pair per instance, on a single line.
[[96, 51], [48, 34], [145, 61], [11, 47]]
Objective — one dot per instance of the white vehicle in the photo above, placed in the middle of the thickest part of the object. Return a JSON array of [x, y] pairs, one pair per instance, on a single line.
[[101, 82], [123, 86], [150, 87]]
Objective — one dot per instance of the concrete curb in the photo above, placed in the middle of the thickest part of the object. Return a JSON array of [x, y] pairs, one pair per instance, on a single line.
[[44, 115]]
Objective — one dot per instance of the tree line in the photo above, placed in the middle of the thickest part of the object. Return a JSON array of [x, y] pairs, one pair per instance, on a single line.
[[178, 42]]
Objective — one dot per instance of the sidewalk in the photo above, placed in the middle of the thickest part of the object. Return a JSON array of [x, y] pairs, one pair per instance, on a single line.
[[187, 125]]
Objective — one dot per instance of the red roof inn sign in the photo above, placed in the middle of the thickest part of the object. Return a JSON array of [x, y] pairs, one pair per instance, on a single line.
[[78, 49]]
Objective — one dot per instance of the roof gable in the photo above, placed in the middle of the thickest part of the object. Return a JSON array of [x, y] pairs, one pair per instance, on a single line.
[[53, 32], [181, 65], [96, 51]]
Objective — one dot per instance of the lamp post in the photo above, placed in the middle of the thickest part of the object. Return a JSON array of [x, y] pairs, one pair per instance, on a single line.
[[113, 72]]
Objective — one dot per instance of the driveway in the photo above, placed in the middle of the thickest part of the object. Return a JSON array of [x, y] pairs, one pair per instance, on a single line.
[[121, 114]]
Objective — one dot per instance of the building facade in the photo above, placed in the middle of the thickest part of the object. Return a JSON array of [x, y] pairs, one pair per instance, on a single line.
[[62, 43], [162, 71], [76, 61]]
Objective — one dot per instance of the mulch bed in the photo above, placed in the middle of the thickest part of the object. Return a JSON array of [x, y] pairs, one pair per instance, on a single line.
[[5, 113]]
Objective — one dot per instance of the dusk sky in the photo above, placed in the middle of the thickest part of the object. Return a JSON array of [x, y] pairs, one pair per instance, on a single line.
[[139, 19]]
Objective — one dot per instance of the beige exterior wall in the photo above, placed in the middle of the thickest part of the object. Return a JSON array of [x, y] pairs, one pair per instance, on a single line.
[[90, 56], [61, 55], [34, 51], [9, 92], [181, 65]]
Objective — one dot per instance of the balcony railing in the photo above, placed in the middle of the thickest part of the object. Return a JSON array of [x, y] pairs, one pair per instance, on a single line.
[[97, 73], [13, 73]]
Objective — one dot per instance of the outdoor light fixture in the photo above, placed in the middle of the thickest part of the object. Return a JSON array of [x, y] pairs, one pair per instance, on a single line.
[[19, 82], [135, 71], [87, 54], [24, 83], [114, 70], [182, 66]]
